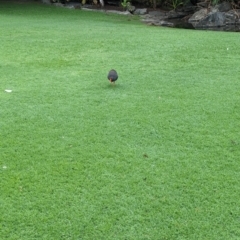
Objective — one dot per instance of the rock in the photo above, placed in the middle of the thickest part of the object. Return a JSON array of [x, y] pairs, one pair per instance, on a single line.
[[166, 24], [158, 14], [154, 17], [140, 11], [73, 5], [46, 1], [119, 12], [160, 23], [70, 7], [232, 17], [212, 20], [223, 7], [93, 10], [58, 4], [197, 16], [130, 7], [218, 16], [176, 14], [87, 6], [147, 20]]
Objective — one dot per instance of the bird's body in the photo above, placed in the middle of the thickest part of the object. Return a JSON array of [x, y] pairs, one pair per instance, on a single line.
[[112, 76]]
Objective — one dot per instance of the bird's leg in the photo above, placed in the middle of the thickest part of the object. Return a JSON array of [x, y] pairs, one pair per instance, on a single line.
[[112, 82]]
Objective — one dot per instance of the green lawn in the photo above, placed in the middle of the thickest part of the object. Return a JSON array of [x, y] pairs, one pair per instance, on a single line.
[[155, 157]]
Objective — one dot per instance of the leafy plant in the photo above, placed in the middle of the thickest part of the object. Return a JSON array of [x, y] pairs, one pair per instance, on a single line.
[[177, 3], [215, 2], [125, 3], [174, 4]]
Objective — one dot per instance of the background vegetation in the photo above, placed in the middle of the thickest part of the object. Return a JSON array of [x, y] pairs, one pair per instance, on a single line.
[[159, 3], [155, 157]]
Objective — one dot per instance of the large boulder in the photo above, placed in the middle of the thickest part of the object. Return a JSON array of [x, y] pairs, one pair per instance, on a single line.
[[212, 20], [222, 7], [220, 15], [232, 17], [198, 16]]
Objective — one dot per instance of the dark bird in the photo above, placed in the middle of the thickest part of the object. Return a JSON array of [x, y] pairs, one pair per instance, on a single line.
[[112, 76]]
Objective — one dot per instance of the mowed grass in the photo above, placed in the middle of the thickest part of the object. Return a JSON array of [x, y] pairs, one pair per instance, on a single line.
[[154, 157]]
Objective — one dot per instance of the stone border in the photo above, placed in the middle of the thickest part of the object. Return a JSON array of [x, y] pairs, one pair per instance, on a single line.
[[221, 17]]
